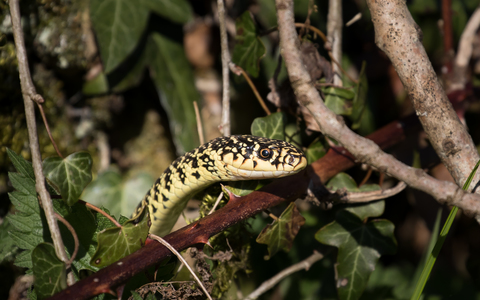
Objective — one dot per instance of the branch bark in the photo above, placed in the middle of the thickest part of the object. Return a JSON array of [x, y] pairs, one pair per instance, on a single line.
[[397, 34], [362, 149]]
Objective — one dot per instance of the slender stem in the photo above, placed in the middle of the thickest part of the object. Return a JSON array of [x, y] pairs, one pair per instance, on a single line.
[[91, 206], [30, 95], [225, 126], [254, 89], [42, 113]]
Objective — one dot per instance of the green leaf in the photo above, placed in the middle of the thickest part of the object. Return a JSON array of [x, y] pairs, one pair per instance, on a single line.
[[339, 100], [96, 86], [178, 11], [359, 102], [118, 25], [116, 243], [174, 80], [343, 180], [315, 151], [70, 175], [49, 271], [27, 225], [279, 235], [22, 166], [249, 48], [9, 249], [271, 126], [119, 195], [360, 245]]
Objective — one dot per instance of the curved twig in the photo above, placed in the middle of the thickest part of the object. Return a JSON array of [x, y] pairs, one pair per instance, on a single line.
[[75, 237]]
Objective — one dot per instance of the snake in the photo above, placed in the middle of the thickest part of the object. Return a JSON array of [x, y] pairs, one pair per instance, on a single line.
[[230, 158]]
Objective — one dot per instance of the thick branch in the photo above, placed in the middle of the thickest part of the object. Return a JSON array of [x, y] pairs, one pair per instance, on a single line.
[[397, 34], [363, 150]]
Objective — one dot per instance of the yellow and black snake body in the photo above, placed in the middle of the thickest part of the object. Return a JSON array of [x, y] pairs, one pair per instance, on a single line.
[[232, 158]]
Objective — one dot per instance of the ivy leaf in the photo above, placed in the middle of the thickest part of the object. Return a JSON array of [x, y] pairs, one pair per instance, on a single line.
[[360, 244], [69, 175], [118, 25], [112, 191], [116, 243], [315, 151], [178, 11], [49, 271], [174, 80], [343, 180], [249, 48], [281, 233], [339, 100], [272, 126]]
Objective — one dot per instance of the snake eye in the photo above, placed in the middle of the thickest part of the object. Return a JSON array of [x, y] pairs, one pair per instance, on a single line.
[[265, 153]]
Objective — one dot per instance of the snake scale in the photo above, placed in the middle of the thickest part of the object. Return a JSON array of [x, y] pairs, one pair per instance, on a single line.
[[231, 158]]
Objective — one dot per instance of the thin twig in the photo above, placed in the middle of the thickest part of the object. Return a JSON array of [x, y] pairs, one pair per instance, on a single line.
[[367, 176], [199, 123], [353, 20], [314, 29], [254, 89], [30, 95], [225, 126], [180, 258], [42, 113], [75, 237], [216, 203], [303, 265]]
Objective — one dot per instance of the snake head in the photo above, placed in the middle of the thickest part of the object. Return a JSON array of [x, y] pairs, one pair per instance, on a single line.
[[249, 157]]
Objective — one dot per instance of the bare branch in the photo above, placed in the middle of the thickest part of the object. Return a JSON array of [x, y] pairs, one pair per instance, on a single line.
[[362, 149], [397, 34], [30, 95]]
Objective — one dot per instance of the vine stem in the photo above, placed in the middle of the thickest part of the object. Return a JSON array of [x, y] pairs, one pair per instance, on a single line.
[[30, 95]]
